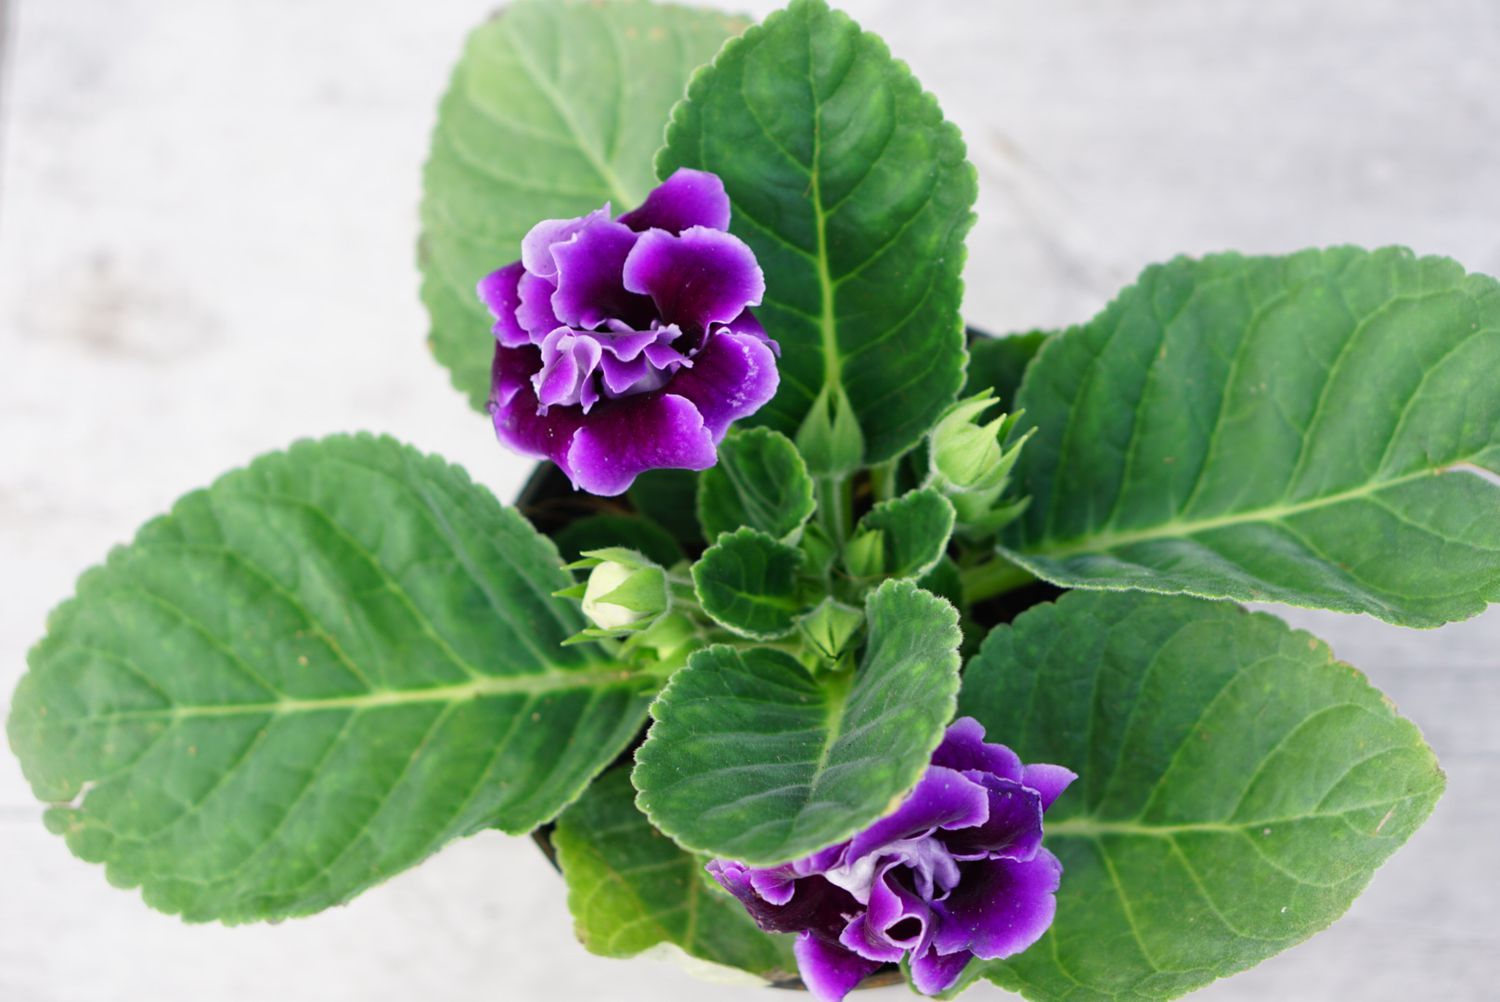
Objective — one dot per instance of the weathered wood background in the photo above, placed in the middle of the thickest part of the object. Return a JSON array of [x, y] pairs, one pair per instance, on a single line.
[[207, 220]]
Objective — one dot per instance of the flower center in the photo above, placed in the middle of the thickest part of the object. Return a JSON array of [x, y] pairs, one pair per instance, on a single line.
[[581, 366]]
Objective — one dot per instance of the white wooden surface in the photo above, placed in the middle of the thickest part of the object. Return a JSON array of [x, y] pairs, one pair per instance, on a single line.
[[207, 215]]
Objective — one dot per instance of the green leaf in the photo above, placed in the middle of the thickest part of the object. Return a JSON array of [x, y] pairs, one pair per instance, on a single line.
[[1238, 786], [631, 889], [556, 107], [751, 758], [596, 532], [1277, 428], [914, 528], [855, 195], [309, 677], [747, 582], [666, 497], [759, 481], [999, 364]]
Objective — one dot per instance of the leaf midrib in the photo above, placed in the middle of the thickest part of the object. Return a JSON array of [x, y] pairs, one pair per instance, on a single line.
[[531, 683], [1087, 826], [1179, 527]]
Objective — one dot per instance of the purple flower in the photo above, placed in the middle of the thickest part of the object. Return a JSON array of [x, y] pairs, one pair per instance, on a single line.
[[626, 345], [956, 872]]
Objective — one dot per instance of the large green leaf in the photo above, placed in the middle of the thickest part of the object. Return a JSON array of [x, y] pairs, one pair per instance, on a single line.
[[855, 195], [556, 107], [1238, 786], [753, 758], [631, 889], [308, 677], [1274, 428]]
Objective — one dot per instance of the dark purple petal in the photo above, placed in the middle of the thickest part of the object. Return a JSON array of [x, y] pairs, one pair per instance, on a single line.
[[620, 378], [624, 342], [1048, 780], [589, 270], [687, 198], [964, 748], [863, 940], [537, 245], [535, 312], [513, 408], [776, 886], [830, 971], [732, 376], [500, 293], [814, 904], [631, 435], [1000, 907], [1013, 828], [943, 798], [897, 915], [932, 973], [696, 278]]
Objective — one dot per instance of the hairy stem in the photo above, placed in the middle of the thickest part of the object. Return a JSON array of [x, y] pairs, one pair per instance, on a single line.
[[993, 577]]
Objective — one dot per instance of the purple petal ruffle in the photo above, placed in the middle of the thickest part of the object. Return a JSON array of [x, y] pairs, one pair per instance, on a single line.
[[955, 872], [628, 345]]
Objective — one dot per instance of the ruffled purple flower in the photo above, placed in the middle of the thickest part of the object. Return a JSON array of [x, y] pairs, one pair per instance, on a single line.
[[956, 872], [625, 345]]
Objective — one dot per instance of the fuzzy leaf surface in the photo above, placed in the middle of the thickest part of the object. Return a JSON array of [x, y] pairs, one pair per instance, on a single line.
[[1237, 786], [1301, 429], [752, 758], [856, 195], [309, 677]]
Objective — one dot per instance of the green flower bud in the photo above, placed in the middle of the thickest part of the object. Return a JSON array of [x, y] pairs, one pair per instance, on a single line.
[[967, 455], [831, 627], [864, 555], [969, 462], [625, 592]]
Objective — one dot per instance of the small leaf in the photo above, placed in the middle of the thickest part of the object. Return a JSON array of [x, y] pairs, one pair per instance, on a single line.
[[631, 889], [1238, 786], [855, 195], [1289, 429], [751, 758], [760, 481], [309, 677], [599, 531], [554, 109], [747, 582], [914, 530]]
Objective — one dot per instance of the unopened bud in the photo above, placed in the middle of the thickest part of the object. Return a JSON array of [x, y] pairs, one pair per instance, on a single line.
[[831, 627], [864, 555], [625, 591], [967, 455], [969, 462]]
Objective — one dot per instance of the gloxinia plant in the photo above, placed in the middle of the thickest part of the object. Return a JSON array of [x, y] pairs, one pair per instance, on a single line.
[[831, 642]]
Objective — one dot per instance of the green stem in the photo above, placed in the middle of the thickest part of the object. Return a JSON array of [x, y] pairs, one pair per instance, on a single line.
[[835, 508], [994, 577], [883, 480]]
